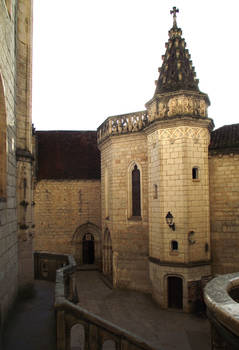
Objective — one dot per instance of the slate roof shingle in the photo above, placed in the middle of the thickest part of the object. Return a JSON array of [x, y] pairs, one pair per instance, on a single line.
[[225, 139], [67, 155]]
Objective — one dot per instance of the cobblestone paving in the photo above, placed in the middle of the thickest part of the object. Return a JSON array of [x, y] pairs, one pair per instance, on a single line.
[[137, 312]]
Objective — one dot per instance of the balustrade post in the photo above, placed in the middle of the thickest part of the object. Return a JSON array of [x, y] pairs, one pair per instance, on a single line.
[[124, 345], [61, 331], [93, 337], [130, 124]]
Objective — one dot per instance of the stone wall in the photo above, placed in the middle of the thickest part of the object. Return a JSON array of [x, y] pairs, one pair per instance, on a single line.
[[174, 149], [224, 209], [129, 234], [173, 152], [64, 211], [24, 142], [8, 218]]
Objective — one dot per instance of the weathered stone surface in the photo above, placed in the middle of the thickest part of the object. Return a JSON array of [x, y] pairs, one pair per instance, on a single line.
[[15, 131]]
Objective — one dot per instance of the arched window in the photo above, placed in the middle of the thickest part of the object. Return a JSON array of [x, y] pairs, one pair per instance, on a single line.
[[136, 207], [107, 254], [106, 193], [3, 153]]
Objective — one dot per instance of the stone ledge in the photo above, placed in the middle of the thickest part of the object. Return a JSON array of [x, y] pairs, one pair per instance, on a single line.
[[220, 305], [178, 264]]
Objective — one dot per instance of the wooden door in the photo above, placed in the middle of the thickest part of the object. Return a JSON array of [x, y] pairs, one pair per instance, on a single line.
[[88, 249], [175, 292]]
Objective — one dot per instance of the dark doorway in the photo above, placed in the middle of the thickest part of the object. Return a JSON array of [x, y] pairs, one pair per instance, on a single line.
[[175, 292], [88, 249]]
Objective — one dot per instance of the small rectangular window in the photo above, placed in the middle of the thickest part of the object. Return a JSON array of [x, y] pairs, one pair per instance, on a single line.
[[195, 173]]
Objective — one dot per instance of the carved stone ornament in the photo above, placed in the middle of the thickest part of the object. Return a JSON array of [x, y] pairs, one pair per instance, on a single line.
[[185, 105]]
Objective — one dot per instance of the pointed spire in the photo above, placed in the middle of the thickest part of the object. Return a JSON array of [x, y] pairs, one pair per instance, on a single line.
[[177, 72]]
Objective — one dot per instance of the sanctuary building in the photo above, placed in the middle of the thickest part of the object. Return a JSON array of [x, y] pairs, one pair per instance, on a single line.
[[151, 198]]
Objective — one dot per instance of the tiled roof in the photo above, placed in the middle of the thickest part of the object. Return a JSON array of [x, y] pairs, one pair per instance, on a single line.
[[225, 139], [177, 71], [67, 155]]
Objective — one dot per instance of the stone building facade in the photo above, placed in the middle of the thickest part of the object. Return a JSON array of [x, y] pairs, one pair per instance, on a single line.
[[16, 219], [159, 213], [67, 194]]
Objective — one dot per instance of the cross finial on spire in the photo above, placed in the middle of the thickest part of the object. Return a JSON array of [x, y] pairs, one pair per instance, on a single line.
[[174, 11]]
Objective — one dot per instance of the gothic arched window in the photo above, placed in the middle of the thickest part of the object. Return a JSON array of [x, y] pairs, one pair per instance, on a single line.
[[136, 207]]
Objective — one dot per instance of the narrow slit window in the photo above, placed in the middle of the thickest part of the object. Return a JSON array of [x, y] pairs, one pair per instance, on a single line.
[[155, 191], [195, 173], [136, 207]]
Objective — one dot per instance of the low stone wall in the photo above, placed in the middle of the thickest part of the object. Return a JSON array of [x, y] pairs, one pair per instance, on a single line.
[[96, 329], [223, 311], [47, 263]]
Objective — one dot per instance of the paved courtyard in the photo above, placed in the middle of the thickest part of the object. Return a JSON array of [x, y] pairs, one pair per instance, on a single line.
[[138, 313], [32, 325]]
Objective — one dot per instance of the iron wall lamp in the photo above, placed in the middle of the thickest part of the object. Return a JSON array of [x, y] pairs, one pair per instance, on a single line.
[[169, 221]]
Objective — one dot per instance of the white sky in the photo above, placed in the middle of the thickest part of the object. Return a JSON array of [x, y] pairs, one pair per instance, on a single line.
[[97, 58]]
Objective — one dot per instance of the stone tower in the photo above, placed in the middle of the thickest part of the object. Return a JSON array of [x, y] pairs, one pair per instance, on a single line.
[[178, 184], [124, 208]]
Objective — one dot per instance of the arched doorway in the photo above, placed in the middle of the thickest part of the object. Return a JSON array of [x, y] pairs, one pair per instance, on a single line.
[[175, 292], [108, 254], [88, 246]]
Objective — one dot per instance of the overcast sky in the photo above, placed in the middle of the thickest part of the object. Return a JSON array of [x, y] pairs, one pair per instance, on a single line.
[[97, 58]]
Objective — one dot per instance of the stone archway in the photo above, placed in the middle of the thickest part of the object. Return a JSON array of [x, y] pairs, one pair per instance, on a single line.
[[86, 244], [107, 254]]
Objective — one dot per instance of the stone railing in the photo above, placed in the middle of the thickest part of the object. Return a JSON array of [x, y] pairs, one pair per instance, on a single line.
[[122, 124], [96, 329], [223, 311]]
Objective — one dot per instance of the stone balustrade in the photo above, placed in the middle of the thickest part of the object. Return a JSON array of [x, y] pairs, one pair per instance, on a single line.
[[223, 311], [122, 124], [96, 329]]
